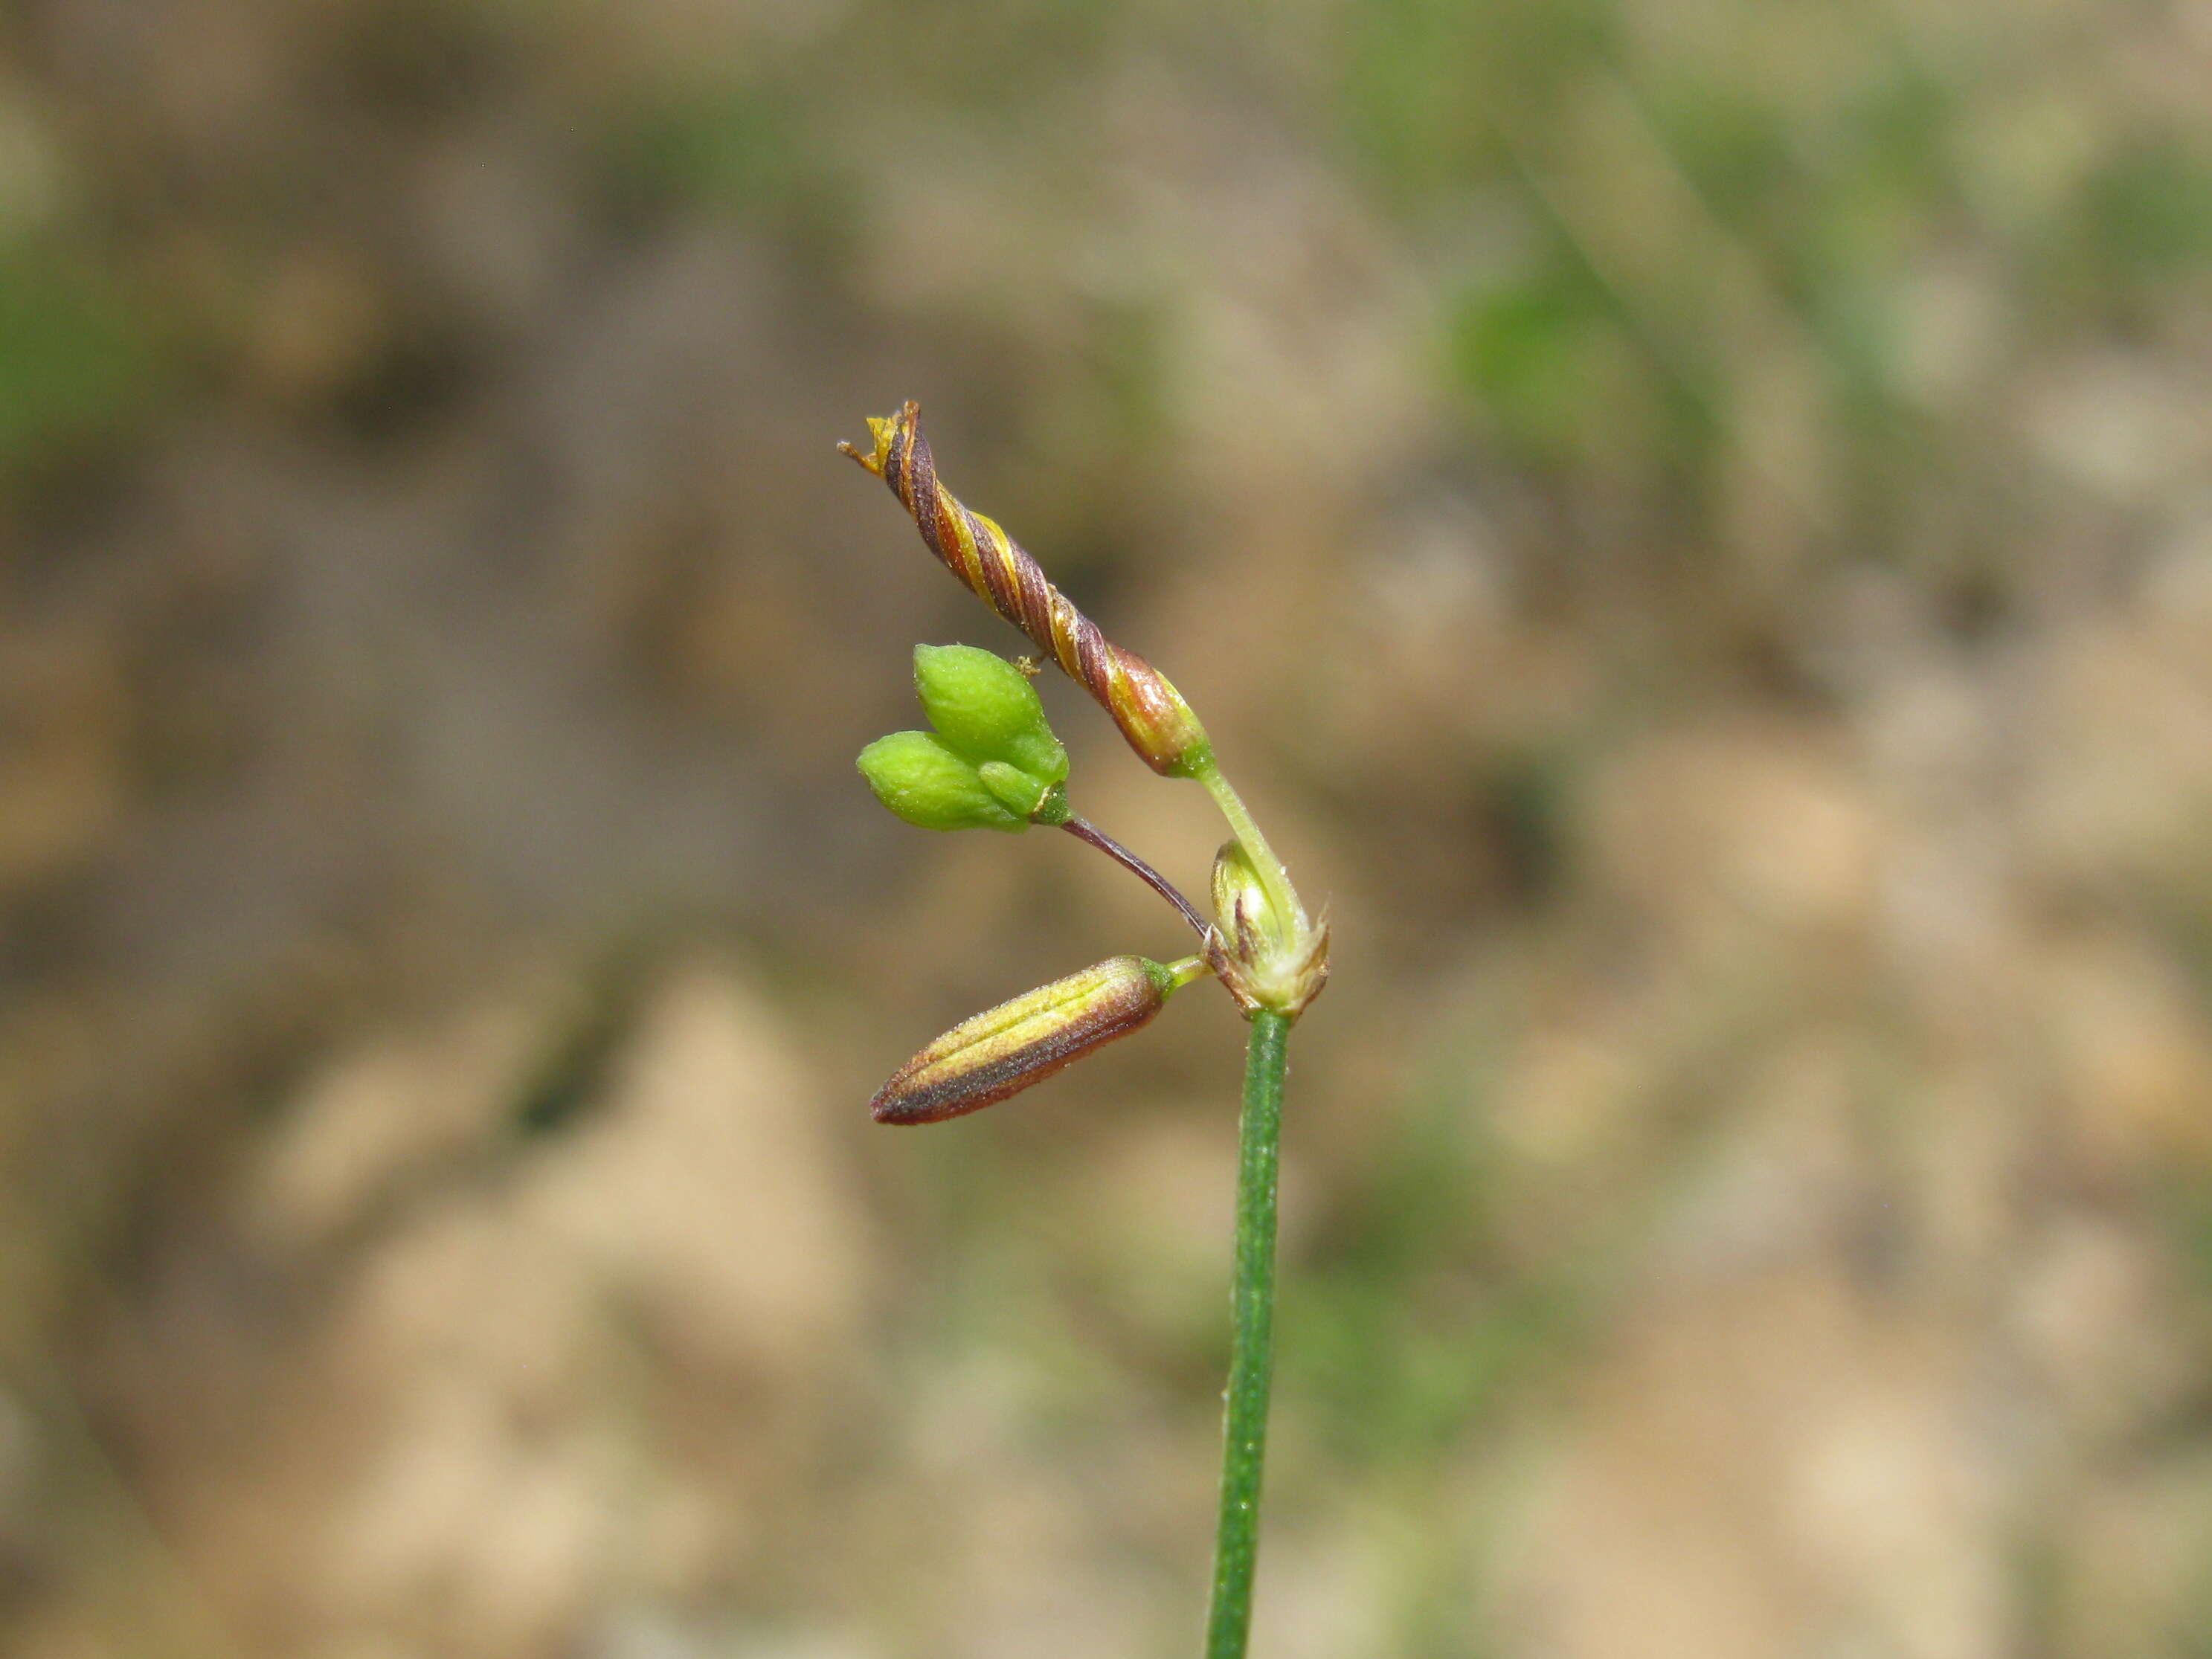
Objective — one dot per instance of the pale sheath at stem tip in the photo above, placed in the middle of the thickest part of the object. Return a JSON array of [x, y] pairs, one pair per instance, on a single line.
[[1264, 957]]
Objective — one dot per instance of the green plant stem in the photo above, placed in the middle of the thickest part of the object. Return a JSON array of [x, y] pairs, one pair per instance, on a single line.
[[1251, 1360], [1273, 876]]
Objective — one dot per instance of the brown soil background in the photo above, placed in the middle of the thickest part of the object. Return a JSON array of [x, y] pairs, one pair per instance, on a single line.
[[1691, 522]]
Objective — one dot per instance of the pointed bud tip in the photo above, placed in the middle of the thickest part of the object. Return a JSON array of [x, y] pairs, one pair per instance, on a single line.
[[882, 429]]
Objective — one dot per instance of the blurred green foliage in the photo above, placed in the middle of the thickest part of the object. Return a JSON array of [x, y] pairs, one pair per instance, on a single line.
[[1832, 179], [82, 353], [2145, 218], [718, 140]]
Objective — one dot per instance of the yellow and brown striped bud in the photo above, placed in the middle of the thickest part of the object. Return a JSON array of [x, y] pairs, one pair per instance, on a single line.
[[1151, 713], [1004, 1050]]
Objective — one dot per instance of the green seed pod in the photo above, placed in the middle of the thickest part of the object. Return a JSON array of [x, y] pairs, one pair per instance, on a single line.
[[1004, 1050], [986, 709], [922, 780], [1018, 792]]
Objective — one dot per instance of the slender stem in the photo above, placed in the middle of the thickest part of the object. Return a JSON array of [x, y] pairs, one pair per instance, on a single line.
[[1251, 1361], [1083, 830], [1187, 969], [1273, 876]]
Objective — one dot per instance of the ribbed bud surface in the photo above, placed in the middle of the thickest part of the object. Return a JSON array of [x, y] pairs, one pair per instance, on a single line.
[[1004, 1050]]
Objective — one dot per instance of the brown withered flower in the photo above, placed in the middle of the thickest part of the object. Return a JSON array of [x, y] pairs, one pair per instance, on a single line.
[[1151, 713]]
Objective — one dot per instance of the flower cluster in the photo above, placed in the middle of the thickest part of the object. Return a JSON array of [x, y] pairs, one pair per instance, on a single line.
[[991, 762]]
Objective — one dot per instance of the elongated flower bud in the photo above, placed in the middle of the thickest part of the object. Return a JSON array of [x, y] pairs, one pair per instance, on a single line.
[[1151, 713], [1002, 1051]]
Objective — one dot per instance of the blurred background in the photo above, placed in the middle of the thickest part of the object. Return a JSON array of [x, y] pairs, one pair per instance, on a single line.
[[1691, 520]]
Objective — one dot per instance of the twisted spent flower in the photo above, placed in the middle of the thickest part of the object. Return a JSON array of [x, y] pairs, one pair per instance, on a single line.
[[1151, 713]]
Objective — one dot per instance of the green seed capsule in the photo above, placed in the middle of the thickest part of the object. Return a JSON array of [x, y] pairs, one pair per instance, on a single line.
[[985, 709], [1017, 791], [1004, 1050], [922, 780]]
